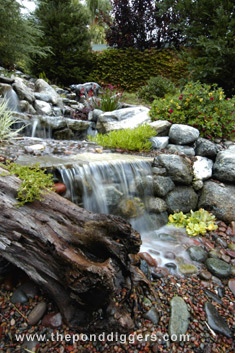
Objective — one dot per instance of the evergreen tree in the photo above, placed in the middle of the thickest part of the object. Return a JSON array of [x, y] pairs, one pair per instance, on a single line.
[[64, 23], [98, 9], [18, 36]]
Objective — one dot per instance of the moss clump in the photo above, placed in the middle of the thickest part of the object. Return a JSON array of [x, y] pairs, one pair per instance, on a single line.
[[129, 139], [35, 182]]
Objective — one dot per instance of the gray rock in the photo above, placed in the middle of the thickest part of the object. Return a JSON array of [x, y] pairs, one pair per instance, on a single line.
[[218, 267], [159, 143], [78, 125], [42, 107], [26, 107], [197, 185], [23, 92], [202, 168], [206, 148], [197, 253], [156, 205], [44, 88], [183, 134], [94, 114], [64, 134], [112, 195], [182, 198], [162, 185], [159, 171], [143, 185], [179, 319], [161, 126], [178, 169], [54, 122], [37, 313], [30, 289], [215, 321], [7, 80], [187, 269], [155, 221], [19, 297], [219, 199], [187, 150], [43, 97], [152, 315], [224, 166]]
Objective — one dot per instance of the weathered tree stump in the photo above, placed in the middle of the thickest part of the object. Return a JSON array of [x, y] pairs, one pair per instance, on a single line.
[[79, 258]]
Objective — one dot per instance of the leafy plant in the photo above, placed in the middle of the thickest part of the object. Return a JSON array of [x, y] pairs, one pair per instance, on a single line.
[[6, 121], [128, 139], [156, 87], [110, 99], [202, 106], [198, 222], [35, 182]]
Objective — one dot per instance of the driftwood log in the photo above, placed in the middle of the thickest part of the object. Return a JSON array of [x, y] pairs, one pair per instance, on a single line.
[[79, 258]]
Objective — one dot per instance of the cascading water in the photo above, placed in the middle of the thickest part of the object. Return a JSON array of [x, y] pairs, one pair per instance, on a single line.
[[12, 100]]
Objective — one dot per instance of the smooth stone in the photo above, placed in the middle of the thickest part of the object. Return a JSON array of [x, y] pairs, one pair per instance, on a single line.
[[226, 258], [214, 254], [159, 143], [221, 242], [205, 148], [205, 275], [30, 289], [218, 267], [154, 252], [217, 280], [213, 296], [53, 320], [148, 258], [167, 237], [161, 126], [160, 272], [37, 313], [169, 255], [231, 246], [59, 188], [181, 198], [215, 321], [197, 253], [187, 269], [171, 265], [224, 166], [231, 285], [152, 315], [19, 297], [147, 303], [183, 134], [144, 267], [179, 319]]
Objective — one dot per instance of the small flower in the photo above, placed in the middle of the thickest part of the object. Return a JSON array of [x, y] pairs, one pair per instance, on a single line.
[[180, 97], [171, 101], [201, 99], [187, 99], [170, 111], [210, 94], [211, 98], [228, 99], [210, 117], [179, 107]]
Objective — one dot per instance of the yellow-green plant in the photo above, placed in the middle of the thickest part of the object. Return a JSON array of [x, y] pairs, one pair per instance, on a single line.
[[129, 139], [198, 222], [6, 121], [35, 182]]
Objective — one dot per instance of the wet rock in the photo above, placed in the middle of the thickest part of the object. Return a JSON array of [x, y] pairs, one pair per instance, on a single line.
[[42, 107], [187, 269], [161, 126], [224, 166], [218, 267], [213, 296], [144, 185], [46, 90], [64, 134], [53, 320], [202, 168], [219, 199], [169, 255], [178, 169], [156, 205], [152, 315], [148, 258], [187, 150], [59, 188], [162, 185], [179, 319], [182, 198], [160, 272], [206, 148], [183, 134], [159, 143], [231, 285], [144, 267], [221, 242], [23, 92], [214, 254], [166, 237], [205, 275], [197, 253], [215, 321], [37, 313], [112, 195], [19, 297]]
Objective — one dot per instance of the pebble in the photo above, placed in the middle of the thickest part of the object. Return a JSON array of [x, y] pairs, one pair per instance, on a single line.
[[218, 267], [197, 253], [231, 285], [169, 255], [160, 272], [37, 313], [19, 297], [53, 320], [215, 321], [179, 319], [59, 188], [221, 242], [205, 275], [215, 254], [186, 269], [152, 315]]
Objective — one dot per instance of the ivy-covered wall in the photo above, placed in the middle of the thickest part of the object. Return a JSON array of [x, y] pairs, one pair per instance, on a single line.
[[131, 68]]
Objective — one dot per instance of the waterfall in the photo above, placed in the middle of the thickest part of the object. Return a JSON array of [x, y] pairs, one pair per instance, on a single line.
[[112, 187], [12, 100]]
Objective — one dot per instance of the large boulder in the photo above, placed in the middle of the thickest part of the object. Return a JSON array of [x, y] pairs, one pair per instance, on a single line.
[[42, 107], [23, 92], [162, 185], [182, 198], [219, 199], [224, 166], [48, 93], [156, 205], [123, 119], [206, 148], [178, 168], [202, 168], [161, 126], [183, 134]]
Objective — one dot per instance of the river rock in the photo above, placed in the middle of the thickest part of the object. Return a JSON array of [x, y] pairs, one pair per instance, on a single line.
[[206, 148], [159, 143], [231, 285], [143, 185], [197, 253], [202, 168], [161, 126], [187, 269], [156, 205], [215, 321], [63, 134], [205, 275], [148, 258], [53, 320], [178, 169], [78, 125], [218, 267], [224, 166], [182, 198], [42, 107], [179, 319], [219, 199], [48, 91], [183, 134], [23, 92], [152, 315], [123, 119], [187, 150], [19, 297], [162, 185], [37, 313]]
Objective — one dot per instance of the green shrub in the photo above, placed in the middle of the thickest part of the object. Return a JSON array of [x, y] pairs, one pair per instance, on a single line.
[[128, 139], [198, 222], [6, 121], [35, 182], [156, 87], [202, 106], [110, 99]]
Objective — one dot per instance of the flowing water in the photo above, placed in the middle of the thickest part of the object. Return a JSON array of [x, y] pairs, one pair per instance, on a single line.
[[12, 100]]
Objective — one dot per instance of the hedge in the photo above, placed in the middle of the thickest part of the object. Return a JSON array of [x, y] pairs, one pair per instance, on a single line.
[[131, 68]]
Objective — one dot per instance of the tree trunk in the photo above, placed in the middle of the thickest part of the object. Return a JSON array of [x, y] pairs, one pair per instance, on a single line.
[[79, 258]]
